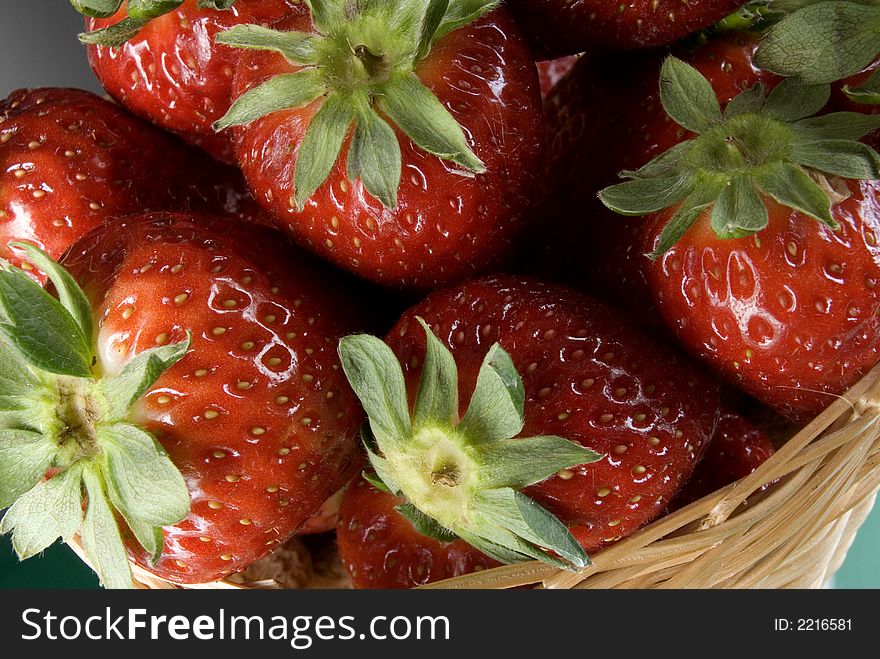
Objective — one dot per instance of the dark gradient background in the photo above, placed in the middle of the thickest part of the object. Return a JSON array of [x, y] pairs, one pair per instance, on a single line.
[[38, 48]]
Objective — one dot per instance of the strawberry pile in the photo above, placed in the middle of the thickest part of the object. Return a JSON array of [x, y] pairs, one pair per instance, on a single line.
[[684, 202]]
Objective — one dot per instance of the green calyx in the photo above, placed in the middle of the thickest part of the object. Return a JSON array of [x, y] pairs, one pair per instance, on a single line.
[[761, 146], [138, 14], [461, 477], [59, 416], [822, 41], [360, 62]]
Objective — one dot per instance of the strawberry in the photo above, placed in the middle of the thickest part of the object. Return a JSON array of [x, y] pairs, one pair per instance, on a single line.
[[587, 376], [737, 449], [169, 70], [381, 549], [562, 27], [70, 160], [437, 198], [213, 338], [551, 72], [607, 117], [740, 269]]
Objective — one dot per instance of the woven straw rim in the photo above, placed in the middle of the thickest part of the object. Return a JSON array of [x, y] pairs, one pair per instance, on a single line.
[[793, 535]]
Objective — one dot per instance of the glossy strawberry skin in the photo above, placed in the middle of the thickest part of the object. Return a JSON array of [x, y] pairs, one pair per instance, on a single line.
[[791, 315], [258, 415], [737, 449], [174, 74], [551, 72], [446, 225], [588, 377], [70, 161], [603, 118], [562, 27], [381, 549]]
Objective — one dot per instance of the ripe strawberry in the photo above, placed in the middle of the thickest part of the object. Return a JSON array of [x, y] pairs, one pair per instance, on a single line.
[[70, 160], [552, 71], [242, 390], [440, 197], [780, 304], [562, 27], [737, 449], [171, 71], [604, 118], [381, 549], [586, 376]]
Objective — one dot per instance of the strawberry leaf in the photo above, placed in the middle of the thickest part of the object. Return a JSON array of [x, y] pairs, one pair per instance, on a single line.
[[70, 294], [101, 537], [749, 101], [40, 328], [688, 97], [144, 10], [373, 479], [838, 126], [374, 157], [852, 160], [791, 186], [696, 203], [792, 100], [868, 92], [298, 47], [425, 525], [327, 14], [435, 12], [437, 399], [822, 42], [283, 92], [519, 515], [24, 458], [496, 408], [114, 36], [321, 145], [739, 210], [143, 483], [376, 377], [139, 375], [523, 462], [646, 195], [97, 8], [463, 12], [419, 114], [51, 510], [215, 4]]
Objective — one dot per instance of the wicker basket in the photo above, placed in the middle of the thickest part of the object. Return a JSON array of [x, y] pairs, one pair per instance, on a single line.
[[793, 535]]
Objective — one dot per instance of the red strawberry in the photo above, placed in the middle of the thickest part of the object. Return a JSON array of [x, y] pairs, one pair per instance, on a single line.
[[375, 200], [382, 549], [779, 303], [552, 71], [70, 160], [172, 72], [256, 415], [586, 375], [562, 27], [604, 118], [737, 449]]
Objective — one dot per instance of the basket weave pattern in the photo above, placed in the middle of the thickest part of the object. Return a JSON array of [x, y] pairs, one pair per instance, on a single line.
[[793, 535]]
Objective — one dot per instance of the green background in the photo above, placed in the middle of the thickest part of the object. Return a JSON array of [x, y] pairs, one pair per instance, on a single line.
[[38, 47]]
